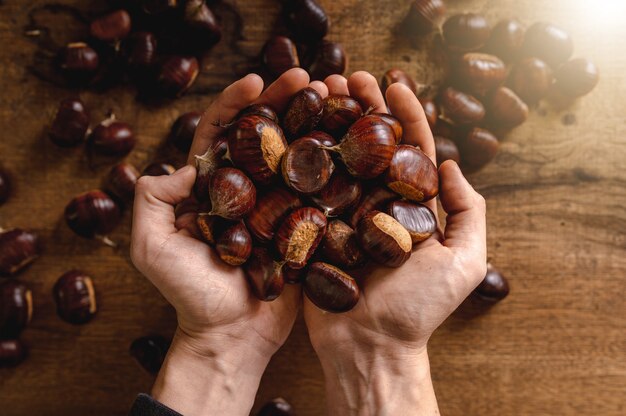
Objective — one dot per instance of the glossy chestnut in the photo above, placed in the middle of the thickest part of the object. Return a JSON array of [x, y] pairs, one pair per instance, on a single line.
[[460, 108], [234, 244], [211, 227], [16, 308], [375, 199], [112, 138], [417, 219], [465, 32], [531, 79], [394, 123], [324, 138], [205, 31], [339, 113], [264, 275], [577, 77], [158, 169], [75, 297], [506, 40], [423, 17], [431, 111], [306, 167], [340, 246], [5, 187], [12, 352], [183, 130], [213, 159], [150, 352], [384, 239], [549, 43], [299, 235], [276, 407], [412, 174], [478, 148], [111, 27], [93, 214], [79, 61], [280, 55], [341, 193], [306, 19], [70, 124], [480, 73], [231, 193], [177, 74], [141, 51], [18, 249], [394, 75], [494, 286], [505, 108], [330, 288], [122, 179], [330, 58], [303, 112], [446, 149], [262, 110], [271, 209]]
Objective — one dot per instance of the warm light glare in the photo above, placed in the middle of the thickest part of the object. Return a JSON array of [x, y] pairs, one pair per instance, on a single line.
[[603, 14]]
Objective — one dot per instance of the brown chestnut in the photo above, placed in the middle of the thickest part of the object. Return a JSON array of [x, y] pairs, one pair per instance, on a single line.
[[324, 138], [340, 246], [183, 130], [205, 31], [417, 219], [256, 145], [112, 138], [303, 112], [394, 123], [412, 174], [330, 288], [111, 27], [494, 286], [423, 17], [577, 77], [16, 308], [306, 19], [231, 193], [460, 108], [270, 211], [262, 110], [341, 194], [394, 75], [531, 79], [384, 239], [294, 276], [70, 124], [276, 407], [79, 61], [264, 275], [12, 352], [339, 113], [549, 43], [376, 199], [5, 187], [234, 244], [150, 352], [280, 55], [177, 74], [506, 40], [466, 32], [75, 297], [18, 249], [446, 149], [505, 108], [430, 111], [93, 214], [211, 227], [158, 169], [306, 167], [122, 179], [141, 51], [480, 73], [213, 159], [330, 58], [299, 235], [478, 148]]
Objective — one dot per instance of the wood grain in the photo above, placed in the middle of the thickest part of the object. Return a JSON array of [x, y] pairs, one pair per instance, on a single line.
[[556, 198]]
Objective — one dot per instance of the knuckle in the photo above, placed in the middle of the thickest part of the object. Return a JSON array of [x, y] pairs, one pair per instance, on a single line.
[[143, 185]]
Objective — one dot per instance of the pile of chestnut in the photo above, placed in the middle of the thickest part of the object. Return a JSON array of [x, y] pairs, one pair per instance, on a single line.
[[312, 195]]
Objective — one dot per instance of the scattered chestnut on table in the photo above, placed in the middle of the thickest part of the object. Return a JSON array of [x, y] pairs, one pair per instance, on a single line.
[[79, 61], [384, 239], [394, 75], [122, 179], [549, 43], [505, 108], [330, 288], [200, 21], [506, 40], [18, 249], [183, 130], [577, 77], [460, 108], [431, 111], [423, 17], [306, 19], [112, 137], [478, 147], [330, 58], [70, 124], [531, 79], [12, 352], [271, 208], [93, 214], [16, 308], [150, 352], [177, 74], [264, 274], [465, 32], [75, 297], [494, 286], [480, 73], [111, 27], [141, 52], [306, 167], [412, 174], [446, 149], [276, 407], [158, 169], [280, 55], [299, 235], [5, 186]]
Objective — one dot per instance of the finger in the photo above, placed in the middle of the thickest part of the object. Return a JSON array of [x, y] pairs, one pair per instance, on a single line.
[[364, 87], [337, 84], [320, 87], [280, 91], [233, 99]]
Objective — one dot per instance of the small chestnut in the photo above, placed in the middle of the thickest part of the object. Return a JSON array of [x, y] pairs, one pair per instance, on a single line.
[[340, 246], [299, 235], [75, 297], [112, 137], [341, 193], [264, 275], [183, 130], [549, 43], [505, 108], [234, 244], [330, 58], [276, 407], [339, 113], [506, 40], [303, 112], [141, 51], [93, 214], [18, 249], [330, 288], [494, 286], [79, 61], [177, 74], [271, 208], [111, 27], [262, 110], [480, 73], [231, 193], [376, 199], [205, 31], [460, 108], [384, 239], [12, 352], [150, 352], [577, 77], [446, 149], [306, 19], [412, 174], [423, 17], [417, 219], [466, 32], [70, 124], [531, 79], [122, 179], [478, 147], [158, 169], [430, 111], [5, 187], [280, 55], [394, 123], [394, 75], [306, 167], [16, 308]]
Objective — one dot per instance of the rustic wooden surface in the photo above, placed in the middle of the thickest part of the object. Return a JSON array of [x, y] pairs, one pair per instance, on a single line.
[[556, 220]]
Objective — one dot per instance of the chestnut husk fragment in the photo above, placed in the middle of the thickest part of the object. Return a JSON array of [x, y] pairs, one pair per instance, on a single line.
[[70, 124], [92, 214], [330, 58], [16, 308], [18, 249], [271, 208], [340, 246], [12, 353], [306, 167], [299, 235], [75, 297], [446, 149], [341, 193], [234, 244], [465, 32], [264, 275], [494, 287], [384, 239], [339, 113], [417, 219], [231, 193], [183, 130], [330, 288], [150, 352], [303, 113], [576, 78], [412, 174], [431, 111]]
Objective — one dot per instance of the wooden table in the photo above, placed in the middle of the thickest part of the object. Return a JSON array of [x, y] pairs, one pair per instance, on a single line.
[[556, 198]]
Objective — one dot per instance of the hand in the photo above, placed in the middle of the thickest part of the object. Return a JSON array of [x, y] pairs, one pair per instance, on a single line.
[[374, 356], [225, 335]]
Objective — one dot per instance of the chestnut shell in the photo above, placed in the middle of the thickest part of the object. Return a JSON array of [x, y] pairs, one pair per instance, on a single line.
[[92, 214], [478, 148], [384, 239], [423, 17], [177, 74], [394, 75], [412, 174], [112, 138], [505, 108], [506, 40], [494, 287], [330, 288], [480, 73], [262, 110], [122, 179], [549, 43], [18, 249], [111, 27], [446, 149], [306, 167], [330, 58], [234, 244], [376, 199], [183, 130], [306, 19], [75, 297], [531, 79]]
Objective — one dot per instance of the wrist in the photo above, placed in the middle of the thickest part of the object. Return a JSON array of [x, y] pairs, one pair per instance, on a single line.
[[213, 378]]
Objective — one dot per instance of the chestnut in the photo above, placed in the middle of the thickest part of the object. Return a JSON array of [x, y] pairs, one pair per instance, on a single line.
[[16, 308], [280, 55], [122, 179], [430, 111], [211, 227], [112, 137], [306, 19], [18, 249], [549, 43], [158, 169], [299, 235], [460, 108], [384, 239], [93, 214], [270, 211], [339, 113], [294, 276], [367, 148], [183, 130], [150, 352], [417, 219], [531, 79], [205, 31], [494, 286], [141, 51], [412, 174], [330, 58], [256, 145], [423, 17], [376, 199], [577, 77], [303, 112], [12, 352], [505, 108], [394, 75], [276, 407], [5, 187], [306, 167], [341, 194], [330, 288], [324, 138], [465, 32], [209, 162], [70, 124], [234, 244], [446, 149], [75, 297], [480, 73], [340, 246], [79, 61], [478, 147], [111, 27], [231, 193], [262, 110], [394, 123], [177, 74], [506, 40], [264, 275]]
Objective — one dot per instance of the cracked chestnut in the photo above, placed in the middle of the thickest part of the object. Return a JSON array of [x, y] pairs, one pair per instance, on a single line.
[[207, 164], [340, 246], [417, 219], [122, 179], [446, 149], [306, 19], [16, 308], [150, 352], [480, 73], [183, 130], [506, 40], [466, 32], [177, 74], [341, 193], [303, 112], [264, 275], [70, 124], [234, 244], [112, 138], [531, 79], [394, 75], [111, 27], [276, 407], [12, 352], [423, 17], [384, 239], [478, 148], [18, 249], [339, 113], [271, 209], [412, 174], [460, 108], [577, 77], [299, 235], [330, 58], [376, 199], [280, 55], [330, 288], [231, 193], [494, 286], [505, 108], [549, 43], [306, 167], [93, 214], [75, 297]]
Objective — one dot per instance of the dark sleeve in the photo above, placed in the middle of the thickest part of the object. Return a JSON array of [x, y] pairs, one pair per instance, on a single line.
[[146, 406]]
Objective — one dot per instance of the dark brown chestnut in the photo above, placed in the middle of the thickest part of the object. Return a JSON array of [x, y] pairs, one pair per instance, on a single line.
[[256, 145], [376, 199], [480, 73], [330, 58], [306, 19], [430, 111], [367, 148], [299, 235], [276, 407], [264, 274], [303, 113], [209, 162], [18, 249], [158, 169], [111, 27], [12, 352], [294, 276], [93, 214], [460, 108], [478, 148], [211, 227], [324, 138], [79, 61], [70, 124], [262, 110], [16, 308], [75, 297], [5, 187], [505, 108], [341, 194], [280, 55], [417, 219], [549, 43], [112, 137], [412, 174], [234, 244], [446, 149], [150, 352], [141, 51], [339, 113], [122, 179], [466, 32], [577, 77], [394, 123], [394, 75], [340, 246], [384, 239], [423, 17], [494, 286], [306, 167], [177, 74], [205, 31], [231, 193], [330, 288], [506, 40], [531, 79], [183, 130], [270, 211]]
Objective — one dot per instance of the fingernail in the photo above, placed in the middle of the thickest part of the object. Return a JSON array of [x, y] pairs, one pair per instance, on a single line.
[[182, 170]]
